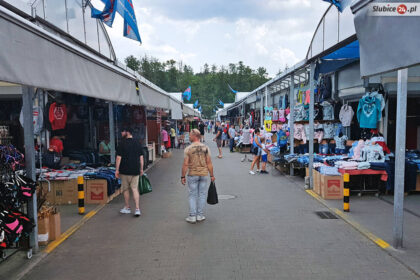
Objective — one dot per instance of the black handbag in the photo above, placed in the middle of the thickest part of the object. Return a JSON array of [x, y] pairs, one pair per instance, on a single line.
[[212, 197]]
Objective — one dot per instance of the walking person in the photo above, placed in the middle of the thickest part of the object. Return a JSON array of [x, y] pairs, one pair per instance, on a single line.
[[129, 168], [256, 150], [224, 134], [232, 135], [173, 136], [198, 164], [218, 138], [164, 137], [201, 127]]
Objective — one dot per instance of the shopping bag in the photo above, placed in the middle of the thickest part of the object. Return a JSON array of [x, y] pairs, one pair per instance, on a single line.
[[144, 185], [212, 197]]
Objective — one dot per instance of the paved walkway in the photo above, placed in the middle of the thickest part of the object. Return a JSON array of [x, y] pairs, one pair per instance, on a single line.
[[269, 231]]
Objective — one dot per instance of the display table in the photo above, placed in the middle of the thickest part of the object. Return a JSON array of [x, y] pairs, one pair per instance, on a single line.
[[384, 175], [365, 174]]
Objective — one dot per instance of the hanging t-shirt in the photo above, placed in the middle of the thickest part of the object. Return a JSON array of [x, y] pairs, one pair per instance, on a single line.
[[369, 112], [58, 116], [346, 115], [38, 119], [56, 145]]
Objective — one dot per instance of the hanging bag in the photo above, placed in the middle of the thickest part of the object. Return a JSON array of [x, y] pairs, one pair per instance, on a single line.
[[144, 185], [212, 197]]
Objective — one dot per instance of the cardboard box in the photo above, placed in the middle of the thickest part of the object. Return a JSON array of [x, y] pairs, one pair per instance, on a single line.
[[306, 171], [418, 183], [66, 192], [48, 192], [317, 181], [55, 227], [96, 191], [331, 187], [43, 230], [166, 155]]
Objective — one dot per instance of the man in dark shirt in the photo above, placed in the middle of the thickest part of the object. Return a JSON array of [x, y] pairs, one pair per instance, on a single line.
[[218, 138], [129, 167], [201, 127]]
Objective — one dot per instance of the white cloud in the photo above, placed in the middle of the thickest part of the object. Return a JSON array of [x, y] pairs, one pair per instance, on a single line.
[[271, 42]]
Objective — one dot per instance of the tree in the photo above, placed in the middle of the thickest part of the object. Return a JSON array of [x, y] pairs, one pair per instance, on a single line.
[[132, 63], [208, 86]]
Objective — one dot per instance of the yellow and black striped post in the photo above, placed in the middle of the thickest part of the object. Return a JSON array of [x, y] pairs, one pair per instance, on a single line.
[[346, 192], [81, 195]]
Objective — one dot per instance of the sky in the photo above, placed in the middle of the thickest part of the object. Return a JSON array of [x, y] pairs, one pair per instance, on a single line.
[[267, 33]]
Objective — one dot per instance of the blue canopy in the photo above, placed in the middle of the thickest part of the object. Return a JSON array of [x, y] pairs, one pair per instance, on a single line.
[[338, 59], [347, 52]]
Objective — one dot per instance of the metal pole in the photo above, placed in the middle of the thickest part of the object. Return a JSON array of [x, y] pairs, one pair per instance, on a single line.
[[266, 96], [28, 130], [261, 111], [111, 130], [91, 135], [292, 119], [400, 158], [385, 121], [311, 125]]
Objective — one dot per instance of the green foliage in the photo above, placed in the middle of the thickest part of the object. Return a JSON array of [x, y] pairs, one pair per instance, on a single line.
[[208, 86]]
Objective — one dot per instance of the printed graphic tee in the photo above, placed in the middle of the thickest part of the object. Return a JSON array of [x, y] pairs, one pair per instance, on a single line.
[[197, 154]]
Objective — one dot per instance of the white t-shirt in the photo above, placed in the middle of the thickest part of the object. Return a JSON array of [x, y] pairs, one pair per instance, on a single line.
[[263, 153]]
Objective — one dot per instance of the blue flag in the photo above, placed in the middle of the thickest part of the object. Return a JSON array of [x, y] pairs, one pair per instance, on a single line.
[[126, 9], [234, 91], [187, 93], [108, 14], [200, 109], [340, 4], [221, 103], [196, 104]]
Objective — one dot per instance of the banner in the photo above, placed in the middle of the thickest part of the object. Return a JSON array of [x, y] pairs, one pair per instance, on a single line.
[[126, 9]]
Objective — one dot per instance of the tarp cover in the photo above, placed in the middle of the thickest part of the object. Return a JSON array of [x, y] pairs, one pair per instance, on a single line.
[[176, 109], [387, 43], [153, 98], [31, 57]]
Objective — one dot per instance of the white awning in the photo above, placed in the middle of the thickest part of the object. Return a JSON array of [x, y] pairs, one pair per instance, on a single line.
[[176, 109], [35, 57]]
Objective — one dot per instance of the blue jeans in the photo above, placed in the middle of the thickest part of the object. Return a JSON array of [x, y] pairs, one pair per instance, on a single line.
[[231, 143], [197, 194]]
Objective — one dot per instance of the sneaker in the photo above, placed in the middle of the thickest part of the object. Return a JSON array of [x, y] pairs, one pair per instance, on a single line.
[[264, 172], [258, 170], [125, 211], [200, 218], [137, 213], [191, 219], [251, 172]]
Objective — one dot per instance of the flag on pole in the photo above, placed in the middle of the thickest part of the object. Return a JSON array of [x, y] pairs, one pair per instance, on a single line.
[[200, 109], [126, 9], [196, 104], [234, 91], [187, 93], [108, 14], [340, 4], [221, 103]]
